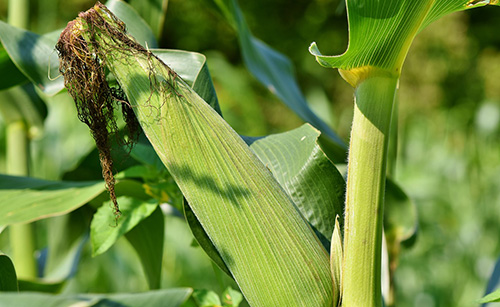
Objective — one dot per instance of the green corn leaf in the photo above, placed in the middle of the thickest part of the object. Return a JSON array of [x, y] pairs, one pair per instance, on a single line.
[[491, 298], [307, 175], [8, 277], [231, 298], [381, 34], [159, 298], [27, 199], [9, 75], [494, 282], [192, 68], [147, 239], [106, 228], [153, 12], [33, 55], [66, 236], [275, 71], [205, 298], [270, 250], [203, 239], [304, 172], [136, 26]]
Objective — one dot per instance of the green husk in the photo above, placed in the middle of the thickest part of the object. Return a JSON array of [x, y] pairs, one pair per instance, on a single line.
[[270, 250]]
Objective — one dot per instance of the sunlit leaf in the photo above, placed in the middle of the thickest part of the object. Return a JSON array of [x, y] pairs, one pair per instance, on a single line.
[[206, 298], [231, 297], [28, 199], [106, 227], [304, 172], [310, 179], [381, 34], [490, 298]]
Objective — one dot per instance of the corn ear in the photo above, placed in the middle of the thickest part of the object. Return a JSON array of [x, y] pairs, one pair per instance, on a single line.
[[270, 250]]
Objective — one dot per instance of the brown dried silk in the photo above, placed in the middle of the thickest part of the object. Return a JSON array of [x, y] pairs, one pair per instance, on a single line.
[[82, 65]]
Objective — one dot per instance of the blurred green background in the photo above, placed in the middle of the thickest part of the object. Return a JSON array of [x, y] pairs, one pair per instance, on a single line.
[[449, 142]]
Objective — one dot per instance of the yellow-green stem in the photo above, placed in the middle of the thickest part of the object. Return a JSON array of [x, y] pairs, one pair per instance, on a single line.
[[374, 100], [21, 235], [18, 14]]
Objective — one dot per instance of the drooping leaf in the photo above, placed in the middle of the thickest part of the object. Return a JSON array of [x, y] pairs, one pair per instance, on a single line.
[[8, 276], [380, 35], [27, 199], [106, 228], [34, 56], [269, 248], [158, 298], [147, 240], [275, 72]]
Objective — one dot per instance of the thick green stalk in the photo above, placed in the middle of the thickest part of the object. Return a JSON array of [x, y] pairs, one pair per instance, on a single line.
[[374, 100], [21, 235]]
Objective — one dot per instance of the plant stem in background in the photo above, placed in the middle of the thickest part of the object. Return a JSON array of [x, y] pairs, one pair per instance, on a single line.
[[18, 14], [361, 278], [22, 237]]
